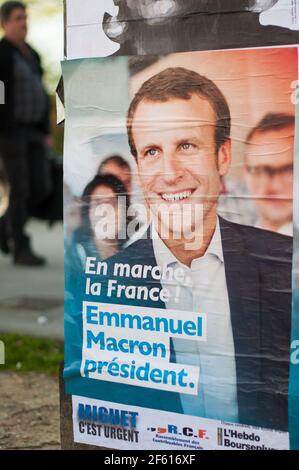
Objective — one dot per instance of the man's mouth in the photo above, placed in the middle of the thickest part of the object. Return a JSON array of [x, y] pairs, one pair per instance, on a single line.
[[177, 196]]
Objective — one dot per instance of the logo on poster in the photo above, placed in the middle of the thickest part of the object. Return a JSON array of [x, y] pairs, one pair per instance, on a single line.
[[243, 440], [184, 431], [109, 423], [110, 416]]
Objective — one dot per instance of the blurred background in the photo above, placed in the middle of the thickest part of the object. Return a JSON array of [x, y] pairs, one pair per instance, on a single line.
[[31, 299], [45, 35]]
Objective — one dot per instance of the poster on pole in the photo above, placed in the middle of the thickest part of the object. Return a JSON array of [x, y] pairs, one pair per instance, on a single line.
[[181, 234]]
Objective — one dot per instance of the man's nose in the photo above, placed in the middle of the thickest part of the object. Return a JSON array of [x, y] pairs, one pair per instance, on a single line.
[[172, 168]]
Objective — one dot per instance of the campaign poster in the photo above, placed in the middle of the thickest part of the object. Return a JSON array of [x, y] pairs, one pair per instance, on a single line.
[[146, 27], [179, 232]]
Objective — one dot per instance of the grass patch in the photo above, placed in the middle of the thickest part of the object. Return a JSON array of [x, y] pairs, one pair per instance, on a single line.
[[26, 353]]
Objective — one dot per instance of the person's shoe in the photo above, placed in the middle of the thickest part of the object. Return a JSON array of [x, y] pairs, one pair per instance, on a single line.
[[27, 258]]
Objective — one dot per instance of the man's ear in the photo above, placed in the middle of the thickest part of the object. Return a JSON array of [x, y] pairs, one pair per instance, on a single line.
[[224, 157]]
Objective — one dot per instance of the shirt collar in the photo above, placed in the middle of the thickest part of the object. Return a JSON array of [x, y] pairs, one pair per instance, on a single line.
[[165, 257]]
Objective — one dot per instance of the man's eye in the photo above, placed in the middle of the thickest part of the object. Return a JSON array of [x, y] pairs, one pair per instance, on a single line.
[[187, 146], [151, 153]]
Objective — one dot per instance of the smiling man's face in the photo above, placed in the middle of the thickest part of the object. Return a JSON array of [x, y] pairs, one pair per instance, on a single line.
[[178, 164]]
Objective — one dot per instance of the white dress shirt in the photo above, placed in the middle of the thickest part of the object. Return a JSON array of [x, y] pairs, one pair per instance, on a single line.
[[204, 290]]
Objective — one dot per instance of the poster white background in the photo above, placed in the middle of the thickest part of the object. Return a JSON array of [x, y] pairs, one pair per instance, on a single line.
[[167, 431], [85, 35]]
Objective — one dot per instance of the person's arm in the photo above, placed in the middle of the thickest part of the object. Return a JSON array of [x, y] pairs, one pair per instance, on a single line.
[[6, 76], [45, 121], [45, 124]]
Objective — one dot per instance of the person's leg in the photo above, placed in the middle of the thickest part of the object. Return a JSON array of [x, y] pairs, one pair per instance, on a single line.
[[13, 151], [40, 184], [14, 154]]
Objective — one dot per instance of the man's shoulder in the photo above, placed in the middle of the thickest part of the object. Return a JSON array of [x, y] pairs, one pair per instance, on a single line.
[[267, 245], [7, 49]]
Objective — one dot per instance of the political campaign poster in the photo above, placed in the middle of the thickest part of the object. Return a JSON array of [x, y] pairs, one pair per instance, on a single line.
[[181, 331], [144, 27]]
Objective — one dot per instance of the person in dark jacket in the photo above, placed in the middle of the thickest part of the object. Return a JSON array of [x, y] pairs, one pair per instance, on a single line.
[[24, 131]]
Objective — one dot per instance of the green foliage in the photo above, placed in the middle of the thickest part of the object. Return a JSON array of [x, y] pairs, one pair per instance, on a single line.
[[25, 353]]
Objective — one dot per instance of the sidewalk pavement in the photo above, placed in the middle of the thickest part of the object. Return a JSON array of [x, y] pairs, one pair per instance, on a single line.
[[31, 299]]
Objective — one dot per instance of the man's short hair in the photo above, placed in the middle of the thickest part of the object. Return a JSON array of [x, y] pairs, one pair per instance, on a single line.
[[7, 8], [182, 83], [117, 159], [272, 122]]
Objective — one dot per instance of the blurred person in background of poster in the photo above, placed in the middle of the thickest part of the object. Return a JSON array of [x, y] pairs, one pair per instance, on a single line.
[[116, 165], [103, 229], [269, 160], [235, 204], [103, 213], [24, 132]]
